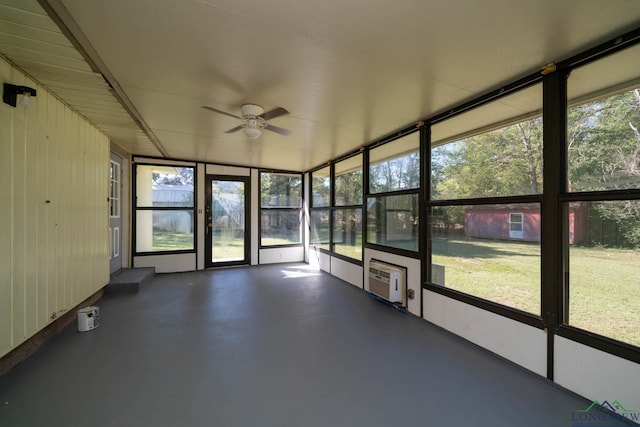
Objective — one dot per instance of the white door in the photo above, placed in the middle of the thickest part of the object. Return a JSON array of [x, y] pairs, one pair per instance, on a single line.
[[115, 213]]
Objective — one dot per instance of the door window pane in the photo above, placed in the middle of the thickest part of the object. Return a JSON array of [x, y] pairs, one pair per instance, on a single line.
[[227, 221]]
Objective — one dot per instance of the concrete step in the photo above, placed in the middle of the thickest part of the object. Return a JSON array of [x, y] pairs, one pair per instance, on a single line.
[[130, 280]]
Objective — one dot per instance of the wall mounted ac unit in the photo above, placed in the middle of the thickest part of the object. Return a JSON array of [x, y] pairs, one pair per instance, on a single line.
[[388, 282]]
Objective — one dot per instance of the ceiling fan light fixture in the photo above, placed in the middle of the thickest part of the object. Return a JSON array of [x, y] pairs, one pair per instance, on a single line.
[[252, 132]]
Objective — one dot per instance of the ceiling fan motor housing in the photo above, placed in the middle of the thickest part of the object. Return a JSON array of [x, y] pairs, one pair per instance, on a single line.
[[251, 111]]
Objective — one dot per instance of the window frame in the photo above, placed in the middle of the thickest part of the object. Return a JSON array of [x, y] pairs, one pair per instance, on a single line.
[[565, 197], [333, 208], [531, 319], [299, 209], [418, 191], [136, 208]]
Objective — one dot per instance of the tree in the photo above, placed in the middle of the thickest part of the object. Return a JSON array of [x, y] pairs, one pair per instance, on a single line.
[[506, 161], [604, 154]]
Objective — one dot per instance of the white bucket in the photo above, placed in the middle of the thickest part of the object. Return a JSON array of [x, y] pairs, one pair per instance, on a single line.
[[88, 318]]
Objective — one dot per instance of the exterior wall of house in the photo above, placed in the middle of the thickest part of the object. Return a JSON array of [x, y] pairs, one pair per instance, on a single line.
[[54, 222], [494, 224], [578, 225]]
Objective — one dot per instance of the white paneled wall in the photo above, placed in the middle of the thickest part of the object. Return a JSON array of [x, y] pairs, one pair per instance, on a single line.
[[53, 212]]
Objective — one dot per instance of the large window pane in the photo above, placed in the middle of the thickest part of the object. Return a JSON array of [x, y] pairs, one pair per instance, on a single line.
[[489, 251], [348, 181], [495, 159], [320, 228], [280, 190], [281, 208], [164, 186], [321, 187], [393, 221], [280, 227], [604, 266], [603, 156], [164, 208], [395, 165], [604, 143], [347, 232], [164, 230]]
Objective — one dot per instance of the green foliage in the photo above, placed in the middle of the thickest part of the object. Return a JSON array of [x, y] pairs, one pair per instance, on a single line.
[[604, 143], [349, 188], [398, 173], [604, 154], [502, 162], [280, 190]]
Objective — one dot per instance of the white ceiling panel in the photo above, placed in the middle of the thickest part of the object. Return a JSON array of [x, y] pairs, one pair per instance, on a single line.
[[349, 72]]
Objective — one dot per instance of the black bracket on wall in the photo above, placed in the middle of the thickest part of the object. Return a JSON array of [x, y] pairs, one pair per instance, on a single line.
[[11, 92]]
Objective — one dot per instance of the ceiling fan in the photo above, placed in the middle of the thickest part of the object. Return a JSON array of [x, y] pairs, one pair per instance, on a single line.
[[255, 119]]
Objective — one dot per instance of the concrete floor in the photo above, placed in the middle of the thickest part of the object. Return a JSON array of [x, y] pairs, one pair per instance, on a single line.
[[277, 345]]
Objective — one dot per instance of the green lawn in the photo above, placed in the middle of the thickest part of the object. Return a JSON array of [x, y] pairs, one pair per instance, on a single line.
[[604, 296], [169, 241], [227, 249]]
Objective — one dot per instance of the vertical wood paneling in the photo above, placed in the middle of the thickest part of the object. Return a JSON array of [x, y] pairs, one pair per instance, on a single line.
[[43, 243], [56, 253], [58, 203], [6, 207], [18, 215], [31, 216], [52, 206]]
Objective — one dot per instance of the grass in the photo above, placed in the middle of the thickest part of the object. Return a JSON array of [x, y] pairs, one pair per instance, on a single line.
[[227, 248], [170, 241], [604, 294]]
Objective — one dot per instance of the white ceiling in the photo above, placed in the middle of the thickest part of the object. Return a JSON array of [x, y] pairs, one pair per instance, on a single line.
[[349, 71]]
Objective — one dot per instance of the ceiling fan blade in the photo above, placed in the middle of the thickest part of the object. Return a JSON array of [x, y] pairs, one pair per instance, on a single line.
[[221, 112], [276, 112], [235, 129], [277, 129]]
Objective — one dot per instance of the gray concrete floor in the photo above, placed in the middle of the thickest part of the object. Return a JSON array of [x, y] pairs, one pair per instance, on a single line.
[[275, 345]]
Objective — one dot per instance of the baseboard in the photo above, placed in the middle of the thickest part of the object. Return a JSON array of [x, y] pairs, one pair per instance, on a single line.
[[30, 346]]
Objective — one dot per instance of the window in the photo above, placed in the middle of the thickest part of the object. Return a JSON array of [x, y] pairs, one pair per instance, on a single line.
[[392, 203], [393, 221], [395, 165], [114, 189], [602, 204], [516, 228], [347, 232], [336, 224], [280, 209], [320, 213], [347, 212], [348, 182], [164, 208], [486, 186], [320, 228], [474, 246], [321, 187]]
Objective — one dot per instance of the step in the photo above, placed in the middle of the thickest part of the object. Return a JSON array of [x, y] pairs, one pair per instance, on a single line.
[[130, 280]]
